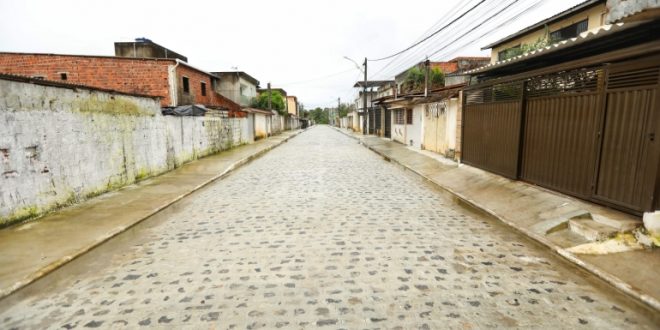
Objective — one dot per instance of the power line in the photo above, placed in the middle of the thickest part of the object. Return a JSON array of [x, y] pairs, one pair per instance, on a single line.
[[476, 27], [317, 78], [431, 35], [451, 13], [421, 53], [454, 47], [505, 22]]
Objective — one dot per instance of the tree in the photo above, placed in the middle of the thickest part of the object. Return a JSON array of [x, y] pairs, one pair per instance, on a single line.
[[276, 101], [320, 116], [344, 109], [415, 79]]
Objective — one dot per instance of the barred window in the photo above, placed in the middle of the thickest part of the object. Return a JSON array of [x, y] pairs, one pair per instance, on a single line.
[[399, 117], [409, 116]]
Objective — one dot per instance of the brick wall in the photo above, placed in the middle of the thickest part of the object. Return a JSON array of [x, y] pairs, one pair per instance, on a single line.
[[140, 76], [212, 98]]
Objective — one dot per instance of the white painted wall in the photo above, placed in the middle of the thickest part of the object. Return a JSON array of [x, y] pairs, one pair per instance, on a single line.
[[415, 130], [59, 145]]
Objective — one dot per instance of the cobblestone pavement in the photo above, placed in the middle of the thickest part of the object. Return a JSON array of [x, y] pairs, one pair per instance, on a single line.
[[320, 232]]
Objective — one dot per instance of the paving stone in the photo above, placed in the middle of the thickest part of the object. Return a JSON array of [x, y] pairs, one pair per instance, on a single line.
[[321, 232]]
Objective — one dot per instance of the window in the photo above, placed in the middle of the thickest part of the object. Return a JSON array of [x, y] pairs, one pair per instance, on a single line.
[[409, 116], [570, 31], [203, 88], [63, 76], [186, 85], [399, 117]]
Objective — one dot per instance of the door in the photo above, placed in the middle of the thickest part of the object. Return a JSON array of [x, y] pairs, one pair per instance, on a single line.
[[388, 123], [629, 152]]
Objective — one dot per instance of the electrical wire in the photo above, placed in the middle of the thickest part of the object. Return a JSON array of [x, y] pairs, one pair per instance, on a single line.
[[317, 78], [482, 23], [431, 35]]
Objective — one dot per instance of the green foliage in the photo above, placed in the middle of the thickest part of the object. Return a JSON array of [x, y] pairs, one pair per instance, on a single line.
[[320, 116], [415, 79], [344, 109], [276, 100], [541, 42]]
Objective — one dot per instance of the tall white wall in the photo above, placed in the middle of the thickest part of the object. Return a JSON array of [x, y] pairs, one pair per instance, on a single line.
[[59, 145]]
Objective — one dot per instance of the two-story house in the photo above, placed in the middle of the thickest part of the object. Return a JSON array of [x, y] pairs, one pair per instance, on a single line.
[[237, 86], [131, 70]]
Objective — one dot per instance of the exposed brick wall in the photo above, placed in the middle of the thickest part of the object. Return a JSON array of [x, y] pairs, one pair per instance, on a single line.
[[212, 98], [141, 76], [130, 75], [445, 67]]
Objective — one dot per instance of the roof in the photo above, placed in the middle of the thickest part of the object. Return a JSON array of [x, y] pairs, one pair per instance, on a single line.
[[570, 11], [171, 60], [261, 111], [30, 80], [434, 95], [292, 96], [587, 36], [242, 74], [97, 56], [470, 58], [373, 83]]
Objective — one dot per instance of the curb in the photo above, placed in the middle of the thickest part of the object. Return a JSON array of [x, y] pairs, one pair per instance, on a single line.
[[612, 280], [66, 259]]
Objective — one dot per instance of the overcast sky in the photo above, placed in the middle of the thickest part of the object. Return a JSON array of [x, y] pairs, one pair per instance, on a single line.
[[296, 45]]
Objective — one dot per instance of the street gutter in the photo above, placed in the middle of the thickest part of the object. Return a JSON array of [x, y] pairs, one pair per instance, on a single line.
[[610, 279]]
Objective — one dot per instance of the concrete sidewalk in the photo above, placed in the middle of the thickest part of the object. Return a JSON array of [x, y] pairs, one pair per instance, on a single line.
[[557, 221], [34, 249]]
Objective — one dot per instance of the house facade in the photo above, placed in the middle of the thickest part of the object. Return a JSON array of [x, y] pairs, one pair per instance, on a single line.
[[567, 24], [174, 81], [580, 116], [237, 86], [292, 105]]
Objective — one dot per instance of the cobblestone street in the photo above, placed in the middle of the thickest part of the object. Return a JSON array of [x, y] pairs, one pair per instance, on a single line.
[[319, 232]]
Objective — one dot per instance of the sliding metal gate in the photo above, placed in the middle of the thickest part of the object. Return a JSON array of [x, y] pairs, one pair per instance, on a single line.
[[589, 132]]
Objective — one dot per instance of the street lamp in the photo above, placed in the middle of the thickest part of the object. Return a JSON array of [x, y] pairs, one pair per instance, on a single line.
[[364, 92]]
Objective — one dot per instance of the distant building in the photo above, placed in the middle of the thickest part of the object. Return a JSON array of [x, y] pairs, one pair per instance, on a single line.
[[145, 48], [292, 105], [238, 86]]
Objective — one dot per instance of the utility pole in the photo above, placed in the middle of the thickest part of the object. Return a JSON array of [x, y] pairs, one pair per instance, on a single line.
[[427, 65], [338, 105], [269, 95], [364, 99]]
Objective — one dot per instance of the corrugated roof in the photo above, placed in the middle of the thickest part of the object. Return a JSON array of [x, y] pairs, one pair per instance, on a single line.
[[600, 32], [42, 82], [544, 22]]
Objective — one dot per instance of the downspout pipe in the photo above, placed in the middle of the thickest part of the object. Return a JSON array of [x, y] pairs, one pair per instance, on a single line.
[[174, 83]]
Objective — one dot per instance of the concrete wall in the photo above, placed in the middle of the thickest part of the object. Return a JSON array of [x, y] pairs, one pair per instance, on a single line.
[[61, 145], [261, 125], [440, 124]]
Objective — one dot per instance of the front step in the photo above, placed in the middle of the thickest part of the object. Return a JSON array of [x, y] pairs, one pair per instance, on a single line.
[[592, 230]]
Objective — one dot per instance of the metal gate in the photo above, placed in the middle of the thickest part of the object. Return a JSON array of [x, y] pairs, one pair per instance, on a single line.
[[371, 129], [388, 123], [588, 132], [491, 128], [560, 136], [628, 165]]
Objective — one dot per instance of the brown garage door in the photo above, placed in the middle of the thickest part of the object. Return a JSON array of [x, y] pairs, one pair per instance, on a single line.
[[628, 162], [491, 128], [562, 117]]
